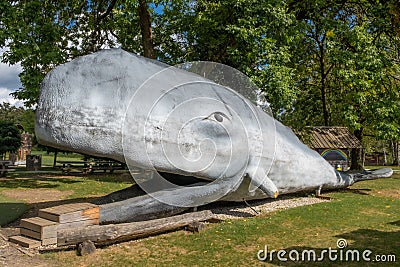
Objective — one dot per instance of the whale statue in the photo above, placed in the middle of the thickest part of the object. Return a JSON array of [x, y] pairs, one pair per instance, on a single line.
[[162, 119]]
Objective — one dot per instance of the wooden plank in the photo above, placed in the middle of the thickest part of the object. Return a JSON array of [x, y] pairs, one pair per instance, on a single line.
[[57, 209], [88, 214], [38, 221], [69, 207], [49, 241], [71, 212], [38, 224], [30, 233], [107, 234], [78, 224], [25, 241], [39, 235], [48, 216]]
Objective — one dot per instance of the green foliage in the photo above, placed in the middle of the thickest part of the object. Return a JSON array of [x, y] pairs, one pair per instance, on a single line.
[[347, 64], [346, 51], [10, 138], [251, 36], [18, 116], [320, 62], [42, 34]]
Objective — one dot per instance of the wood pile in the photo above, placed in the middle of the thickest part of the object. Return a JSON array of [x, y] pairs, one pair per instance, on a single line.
[[42, 230], [73, 224]]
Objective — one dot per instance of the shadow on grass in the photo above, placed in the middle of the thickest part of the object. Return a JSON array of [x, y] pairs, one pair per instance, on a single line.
[[35, 183], [14, 212], [11, 211], [384, 246], [358, 191], [51, 181], [396, 223]]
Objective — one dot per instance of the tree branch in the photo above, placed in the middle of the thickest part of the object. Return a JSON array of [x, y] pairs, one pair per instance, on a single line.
[[109, 10]]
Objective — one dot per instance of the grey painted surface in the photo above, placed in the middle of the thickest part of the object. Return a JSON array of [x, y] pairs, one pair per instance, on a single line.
[[118, 105]]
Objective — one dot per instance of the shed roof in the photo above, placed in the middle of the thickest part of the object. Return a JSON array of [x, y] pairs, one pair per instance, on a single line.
[[329, 137]]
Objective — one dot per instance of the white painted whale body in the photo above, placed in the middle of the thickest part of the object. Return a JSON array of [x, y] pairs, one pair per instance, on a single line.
[[121, 106]]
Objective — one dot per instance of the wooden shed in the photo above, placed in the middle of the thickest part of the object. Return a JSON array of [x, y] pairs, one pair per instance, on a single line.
[[375, 159], [332, 143], [24, 150]]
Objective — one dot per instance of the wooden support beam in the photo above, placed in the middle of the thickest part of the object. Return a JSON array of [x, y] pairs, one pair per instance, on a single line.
[[25, 242], [71, 213], [113, 233]]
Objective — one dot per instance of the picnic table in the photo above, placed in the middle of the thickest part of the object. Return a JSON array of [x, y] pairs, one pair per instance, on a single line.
[[90, 166], [4, 167]]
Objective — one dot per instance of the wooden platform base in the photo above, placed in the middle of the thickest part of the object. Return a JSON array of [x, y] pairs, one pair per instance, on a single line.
[[42, 230], [70, 213], [25, 242]]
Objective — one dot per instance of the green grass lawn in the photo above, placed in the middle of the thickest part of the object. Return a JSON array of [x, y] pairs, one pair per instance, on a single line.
[[78, 187], [48, 158], [367, 215], [11, 209], [81, 186]]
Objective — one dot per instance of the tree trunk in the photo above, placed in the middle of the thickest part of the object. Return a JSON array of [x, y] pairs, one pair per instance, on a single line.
[[324, 100], [146, 29], [324, 74], [394, 150], [55, 158], [112, 233], [356, 153], [384, 157]]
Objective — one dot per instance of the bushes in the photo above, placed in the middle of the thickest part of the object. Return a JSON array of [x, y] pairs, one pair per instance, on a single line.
[[10, 138]]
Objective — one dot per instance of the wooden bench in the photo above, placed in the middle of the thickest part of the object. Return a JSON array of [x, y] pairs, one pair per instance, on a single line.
[[104, 166], [90, 166], [4, 167], [69, 166]]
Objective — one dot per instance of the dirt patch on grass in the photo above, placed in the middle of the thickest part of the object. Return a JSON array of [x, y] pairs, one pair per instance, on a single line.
[[13, 255], [32, 196], [390, 193], [40, 199]]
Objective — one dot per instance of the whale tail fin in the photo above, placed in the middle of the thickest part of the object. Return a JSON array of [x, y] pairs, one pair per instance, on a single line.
[[371, 174]]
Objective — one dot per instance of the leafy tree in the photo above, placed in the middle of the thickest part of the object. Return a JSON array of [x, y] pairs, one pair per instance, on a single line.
[[10, 138], [42, 34], [251, 36], [320, 62], [348, 67], [246, 35], [18, 116]]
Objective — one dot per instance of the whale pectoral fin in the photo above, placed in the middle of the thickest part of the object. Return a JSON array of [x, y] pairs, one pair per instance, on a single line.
[[264, 183]]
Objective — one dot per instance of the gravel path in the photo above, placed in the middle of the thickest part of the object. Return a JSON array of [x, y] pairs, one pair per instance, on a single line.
[[254, 208], [15, 256]]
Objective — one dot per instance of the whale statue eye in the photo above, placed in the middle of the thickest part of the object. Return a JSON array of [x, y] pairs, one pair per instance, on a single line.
[[218, 117]]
